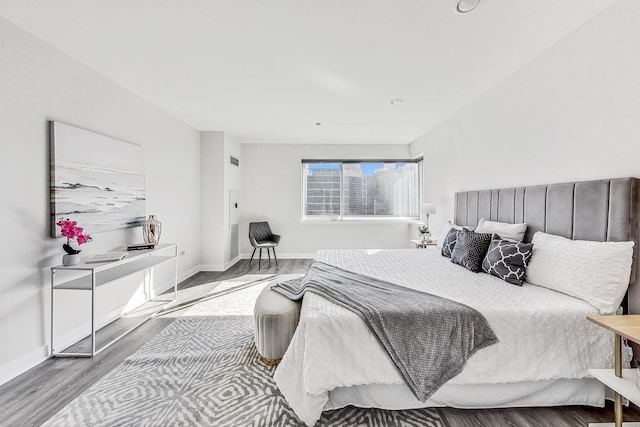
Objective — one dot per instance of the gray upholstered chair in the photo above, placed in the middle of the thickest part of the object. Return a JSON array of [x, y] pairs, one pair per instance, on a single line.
[[261, 237]]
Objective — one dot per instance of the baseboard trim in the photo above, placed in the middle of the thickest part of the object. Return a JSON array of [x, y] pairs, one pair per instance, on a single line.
[[22, 364], [219, 267], [229, 264], [211, 267]]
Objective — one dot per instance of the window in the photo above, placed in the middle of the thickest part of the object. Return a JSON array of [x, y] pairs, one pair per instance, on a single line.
[[351, 189]]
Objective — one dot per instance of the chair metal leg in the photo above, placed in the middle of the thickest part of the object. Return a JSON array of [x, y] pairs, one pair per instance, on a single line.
[[274, 256], [252, 254], [269, 255], [260, 259]]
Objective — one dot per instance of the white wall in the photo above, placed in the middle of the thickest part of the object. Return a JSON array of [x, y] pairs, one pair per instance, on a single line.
[[39, 83], [212, 198], [232, 182], [272, 191], [573, 113], [218, 178]]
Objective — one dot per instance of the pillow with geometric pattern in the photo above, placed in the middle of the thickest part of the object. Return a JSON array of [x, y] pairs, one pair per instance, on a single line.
[[470, 249], [507, 260], [449, 242]]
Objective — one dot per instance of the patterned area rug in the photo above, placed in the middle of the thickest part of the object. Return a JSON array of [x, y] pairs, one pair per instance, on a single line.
[[204, 371]]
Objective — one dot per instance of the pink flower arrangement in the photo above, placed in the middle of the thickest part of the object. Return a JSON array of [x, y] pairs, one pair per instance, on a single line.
[[71, 231]]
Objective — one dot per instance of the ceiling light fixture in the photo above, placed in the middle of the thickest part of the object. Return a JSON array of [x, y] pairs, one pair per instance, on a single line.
[[396, 101], [318, 123], [465, 6]]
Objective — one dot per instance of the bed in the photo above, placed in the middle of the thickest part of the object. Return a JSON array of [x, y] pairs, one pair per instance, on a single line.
[[546, 345]]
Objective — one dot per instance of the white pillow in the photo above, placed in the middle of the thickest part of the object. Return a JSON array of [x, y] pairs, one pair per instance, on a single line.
[[445, 230], [506, 231], [596, 272]]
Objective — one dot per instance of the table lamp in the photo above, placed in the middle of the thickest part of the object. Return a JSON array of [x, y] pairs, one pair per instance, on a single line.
[[427, 208]]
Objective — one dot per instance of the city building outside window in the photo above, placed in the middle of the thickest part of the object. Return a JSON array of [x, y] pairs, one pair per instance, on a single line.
[[350, 189]]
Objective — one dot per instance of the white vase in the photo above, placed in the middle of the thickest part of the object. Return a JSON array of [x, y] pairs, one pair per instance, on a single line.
[[68, 259], [151, 230]]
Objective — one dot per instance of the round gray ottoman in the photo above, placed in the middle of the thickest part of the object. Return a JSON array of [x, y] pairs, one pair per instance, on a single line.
[[276, 320]]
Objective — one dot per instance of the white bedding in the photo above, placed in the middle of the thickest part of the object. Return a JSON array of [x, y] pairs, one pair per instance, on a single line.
[[543, 334]]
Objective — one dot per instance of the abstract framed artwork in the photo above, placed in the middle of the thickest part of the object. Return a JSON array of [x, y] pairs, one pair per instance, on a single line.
[[96, 180]]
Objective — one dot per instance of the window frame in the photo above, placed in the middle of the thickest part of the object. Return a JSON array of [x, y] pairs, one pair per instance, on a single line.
[[341, 218]]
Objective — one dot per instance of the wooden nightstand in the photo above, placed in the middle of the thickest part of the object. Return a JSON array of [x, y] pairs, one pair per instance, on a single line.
[[621, 381], [420, 244]]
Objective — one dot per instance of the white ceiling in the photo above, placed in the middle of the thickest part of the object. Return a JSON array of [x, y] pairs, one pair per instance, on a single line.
[[267, 70]]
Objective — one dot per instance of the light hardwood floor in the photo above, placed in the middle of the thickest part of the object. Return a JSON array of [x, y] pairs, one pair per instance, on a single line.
[[33, 397]]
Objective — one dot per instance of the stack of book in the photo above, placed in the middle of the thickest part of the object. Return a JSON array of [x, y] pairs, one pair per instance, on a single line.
[[140, 246]]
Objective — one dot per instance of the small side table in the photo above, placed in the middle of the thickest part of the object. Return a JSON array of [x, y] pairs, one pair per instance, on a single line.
[[621, 381], [420, 244]]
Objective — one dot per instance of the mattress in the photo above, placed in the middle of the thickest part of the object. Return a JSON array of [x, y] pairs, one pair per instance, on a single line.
[[543, 334]]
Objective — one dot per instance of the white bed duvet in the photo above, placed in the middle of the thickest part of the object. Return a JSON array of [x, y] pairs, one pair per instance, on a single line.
[[543, 334]]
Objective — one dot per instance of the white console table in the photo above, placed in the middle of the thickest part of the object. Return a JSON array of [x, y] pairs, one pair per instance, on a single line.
[[94, 275]]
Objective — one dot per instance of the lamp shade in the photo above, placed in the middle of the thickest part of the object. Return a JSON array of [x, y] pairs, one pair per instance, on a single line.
[[428, 208]]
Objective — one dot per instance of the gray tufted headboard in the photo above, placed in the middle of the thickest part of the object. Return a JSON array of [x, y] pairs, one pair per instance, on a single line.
[[604, 210]]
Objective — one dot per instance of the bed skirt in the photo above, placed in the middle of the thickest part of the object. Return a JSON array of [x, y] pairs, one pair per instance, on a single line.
[[586, 391]]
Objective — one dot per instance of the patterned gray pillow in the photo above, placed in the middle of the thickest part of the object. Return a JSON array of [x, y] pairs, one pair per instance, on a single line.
[[470, 249], [449, 242], [507, 260]]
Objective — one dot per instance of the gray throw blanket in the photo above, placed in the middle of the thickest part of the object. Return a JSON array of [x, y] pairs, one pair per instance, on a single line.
[[428, 338]]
